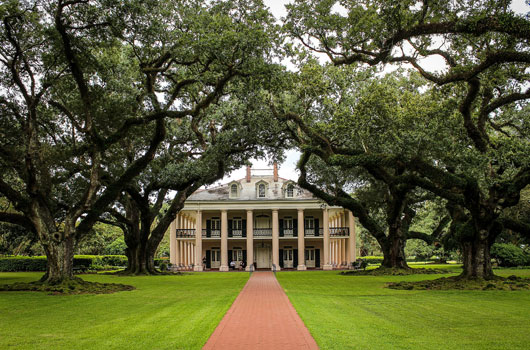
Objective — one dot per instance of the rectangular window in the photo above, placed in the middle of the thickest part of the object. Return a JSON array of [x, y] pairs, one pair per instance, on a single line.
[[261, 191], [216, 224]]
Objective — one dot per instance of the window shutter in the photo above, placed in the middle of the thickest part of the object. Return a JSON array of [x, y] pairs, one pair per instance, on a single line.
[[245, 257], [208, 229], [295, 227], [230, 228], [281, 227], [317, 257], [281, 258], [317, 228], [229, 257], [208, 259], [295, 258], [244, 224]]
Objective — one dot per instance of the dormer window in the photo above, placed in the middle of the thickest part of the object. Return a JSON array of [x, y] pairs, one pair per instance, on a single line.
[[234, 190], [290, 191], [261, 191]]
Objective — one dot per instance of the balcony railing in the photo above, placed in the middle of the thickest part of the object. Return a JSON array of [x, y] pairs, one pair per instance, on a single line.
[[263, 232], [339, 231], [236, 233], [185, 232], [313, 232], [288, 232], [207, 233]]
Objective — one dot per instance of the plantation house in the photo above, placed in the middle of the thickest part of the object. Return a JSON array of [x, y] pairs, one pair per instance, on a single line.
[[262, 219]]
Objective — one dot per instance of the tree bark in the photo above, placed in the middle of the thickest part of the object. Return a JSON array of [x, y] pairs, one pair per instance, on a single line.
[[477, 260], [394, 253], [60, 257]]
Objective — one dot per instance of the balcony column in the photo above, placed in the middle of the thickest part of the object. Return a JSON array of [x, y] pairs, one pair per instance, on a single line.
[[352, 244], [275, 239], [173, 242], [250, 240], [198, 242], [326, 245], [224, 241], [301, 241]]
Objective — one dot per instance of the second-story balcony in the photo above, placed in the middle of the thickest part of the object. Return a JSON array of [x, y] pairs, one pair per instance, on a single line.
[[339, 231], [211, 233], [185, 233], [263, 232], [313, 232]]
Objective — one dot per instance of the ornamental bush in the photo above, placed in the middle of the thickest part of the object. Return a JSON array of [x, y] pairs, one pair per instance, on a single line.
[[38, 263], [509, 255]]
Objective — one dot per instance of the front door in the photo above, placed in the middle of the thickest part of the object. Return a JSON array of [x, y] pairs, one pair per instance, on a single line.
[[310, 257], [288, 258], [215, 258], [263, 258]]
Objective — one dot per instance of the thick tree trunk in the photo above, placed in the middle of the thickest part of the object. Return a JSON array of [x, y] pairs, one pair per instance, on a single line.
[[477, 260], [394, 253], [140, 257], [60, 257]]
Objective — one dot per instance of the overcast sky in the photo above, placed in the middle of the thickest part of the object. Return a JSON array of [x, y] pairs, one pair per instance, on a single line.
[[288, 168]]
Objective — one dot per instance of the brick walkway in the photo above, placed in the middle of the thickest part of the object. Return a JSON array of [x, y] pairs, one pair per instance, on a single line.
[[261, 317]]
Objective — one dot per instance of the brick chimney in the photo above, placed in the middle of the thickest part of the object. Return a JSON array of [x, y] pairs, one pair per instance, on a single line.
[[275, 172], [248, 173]]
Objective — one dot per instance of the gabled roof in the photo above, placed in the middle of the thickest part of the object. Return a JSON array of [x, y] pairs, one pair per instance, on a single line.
[[248, 191]]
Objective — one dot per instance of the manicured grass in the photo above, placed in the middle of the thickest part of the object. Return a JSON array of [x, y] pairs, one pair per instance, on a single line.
[[357, 312], [164, 312]]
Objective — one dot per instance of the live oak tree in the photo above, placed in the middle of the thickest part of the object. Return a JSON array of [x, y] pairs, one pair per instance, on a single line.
[[225, 136], [79, 80], [484, 49], [337, 111], [203, 147]]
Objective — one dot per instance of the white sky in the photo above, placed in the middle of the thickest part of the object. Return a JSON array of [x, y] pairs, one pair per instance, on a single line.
[[288, 168]]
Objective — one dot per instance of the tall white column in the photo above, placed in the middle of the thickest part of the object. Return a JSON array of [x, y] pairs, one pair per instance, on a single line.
[[352, 244], [326, 245], [343, 251], [301, 241], [250, 239], [198, 242], [275, 239], [224, 241], [173, 242]]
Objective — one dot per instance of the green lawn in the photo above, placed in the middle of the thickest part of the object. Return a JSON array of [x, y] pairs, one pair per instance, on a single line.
[[164, 312], [357, 312]]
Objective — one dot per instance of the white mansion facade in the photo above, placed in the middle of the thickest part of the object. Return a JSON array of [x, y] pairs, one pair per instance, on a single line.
[[262, 220]]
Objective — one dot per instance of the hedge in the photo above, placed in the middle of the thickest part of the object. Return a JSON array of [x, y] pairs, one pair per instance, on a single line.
[[509, 255], [38, 263]]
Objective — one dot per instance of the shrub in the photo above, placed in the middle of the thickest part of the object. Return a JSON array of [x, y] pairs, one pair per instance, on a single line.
[[38, 263], [23, 263], [373, 260], [509, 255]]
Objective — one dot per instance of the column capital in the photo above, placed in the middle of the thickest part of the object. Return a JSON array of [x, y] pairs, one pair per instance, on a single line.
[[224, 210], [275, 209], [300, 210], [250, 210]]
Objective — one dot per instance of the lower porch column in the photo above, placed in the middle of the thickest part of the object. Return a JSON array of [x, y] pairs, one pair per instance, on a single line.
[[224, 241], [250, 240], [198, 242], [343, 252], [352, 244], [275, 240], [326, 246], [173, 242], [301, 243]]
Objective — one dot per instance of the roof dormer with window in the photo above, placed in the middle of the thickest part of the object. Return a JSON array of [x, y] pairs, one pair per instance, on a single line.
[[262, 188]]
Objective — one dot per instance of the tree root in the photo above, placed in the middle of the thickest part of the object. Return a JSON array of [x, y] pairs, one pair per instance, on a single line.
[[461, 283], [385, 271], [68, 286]]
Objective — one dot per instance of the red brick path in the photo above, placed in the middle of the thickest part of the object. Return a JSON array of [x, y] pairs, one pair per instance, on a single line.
[[261, 317]]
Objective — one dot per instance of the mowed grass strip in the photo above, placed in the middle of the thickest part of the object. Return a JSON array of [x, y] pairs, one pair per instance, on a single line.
[[164, 312], [357, 312]]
